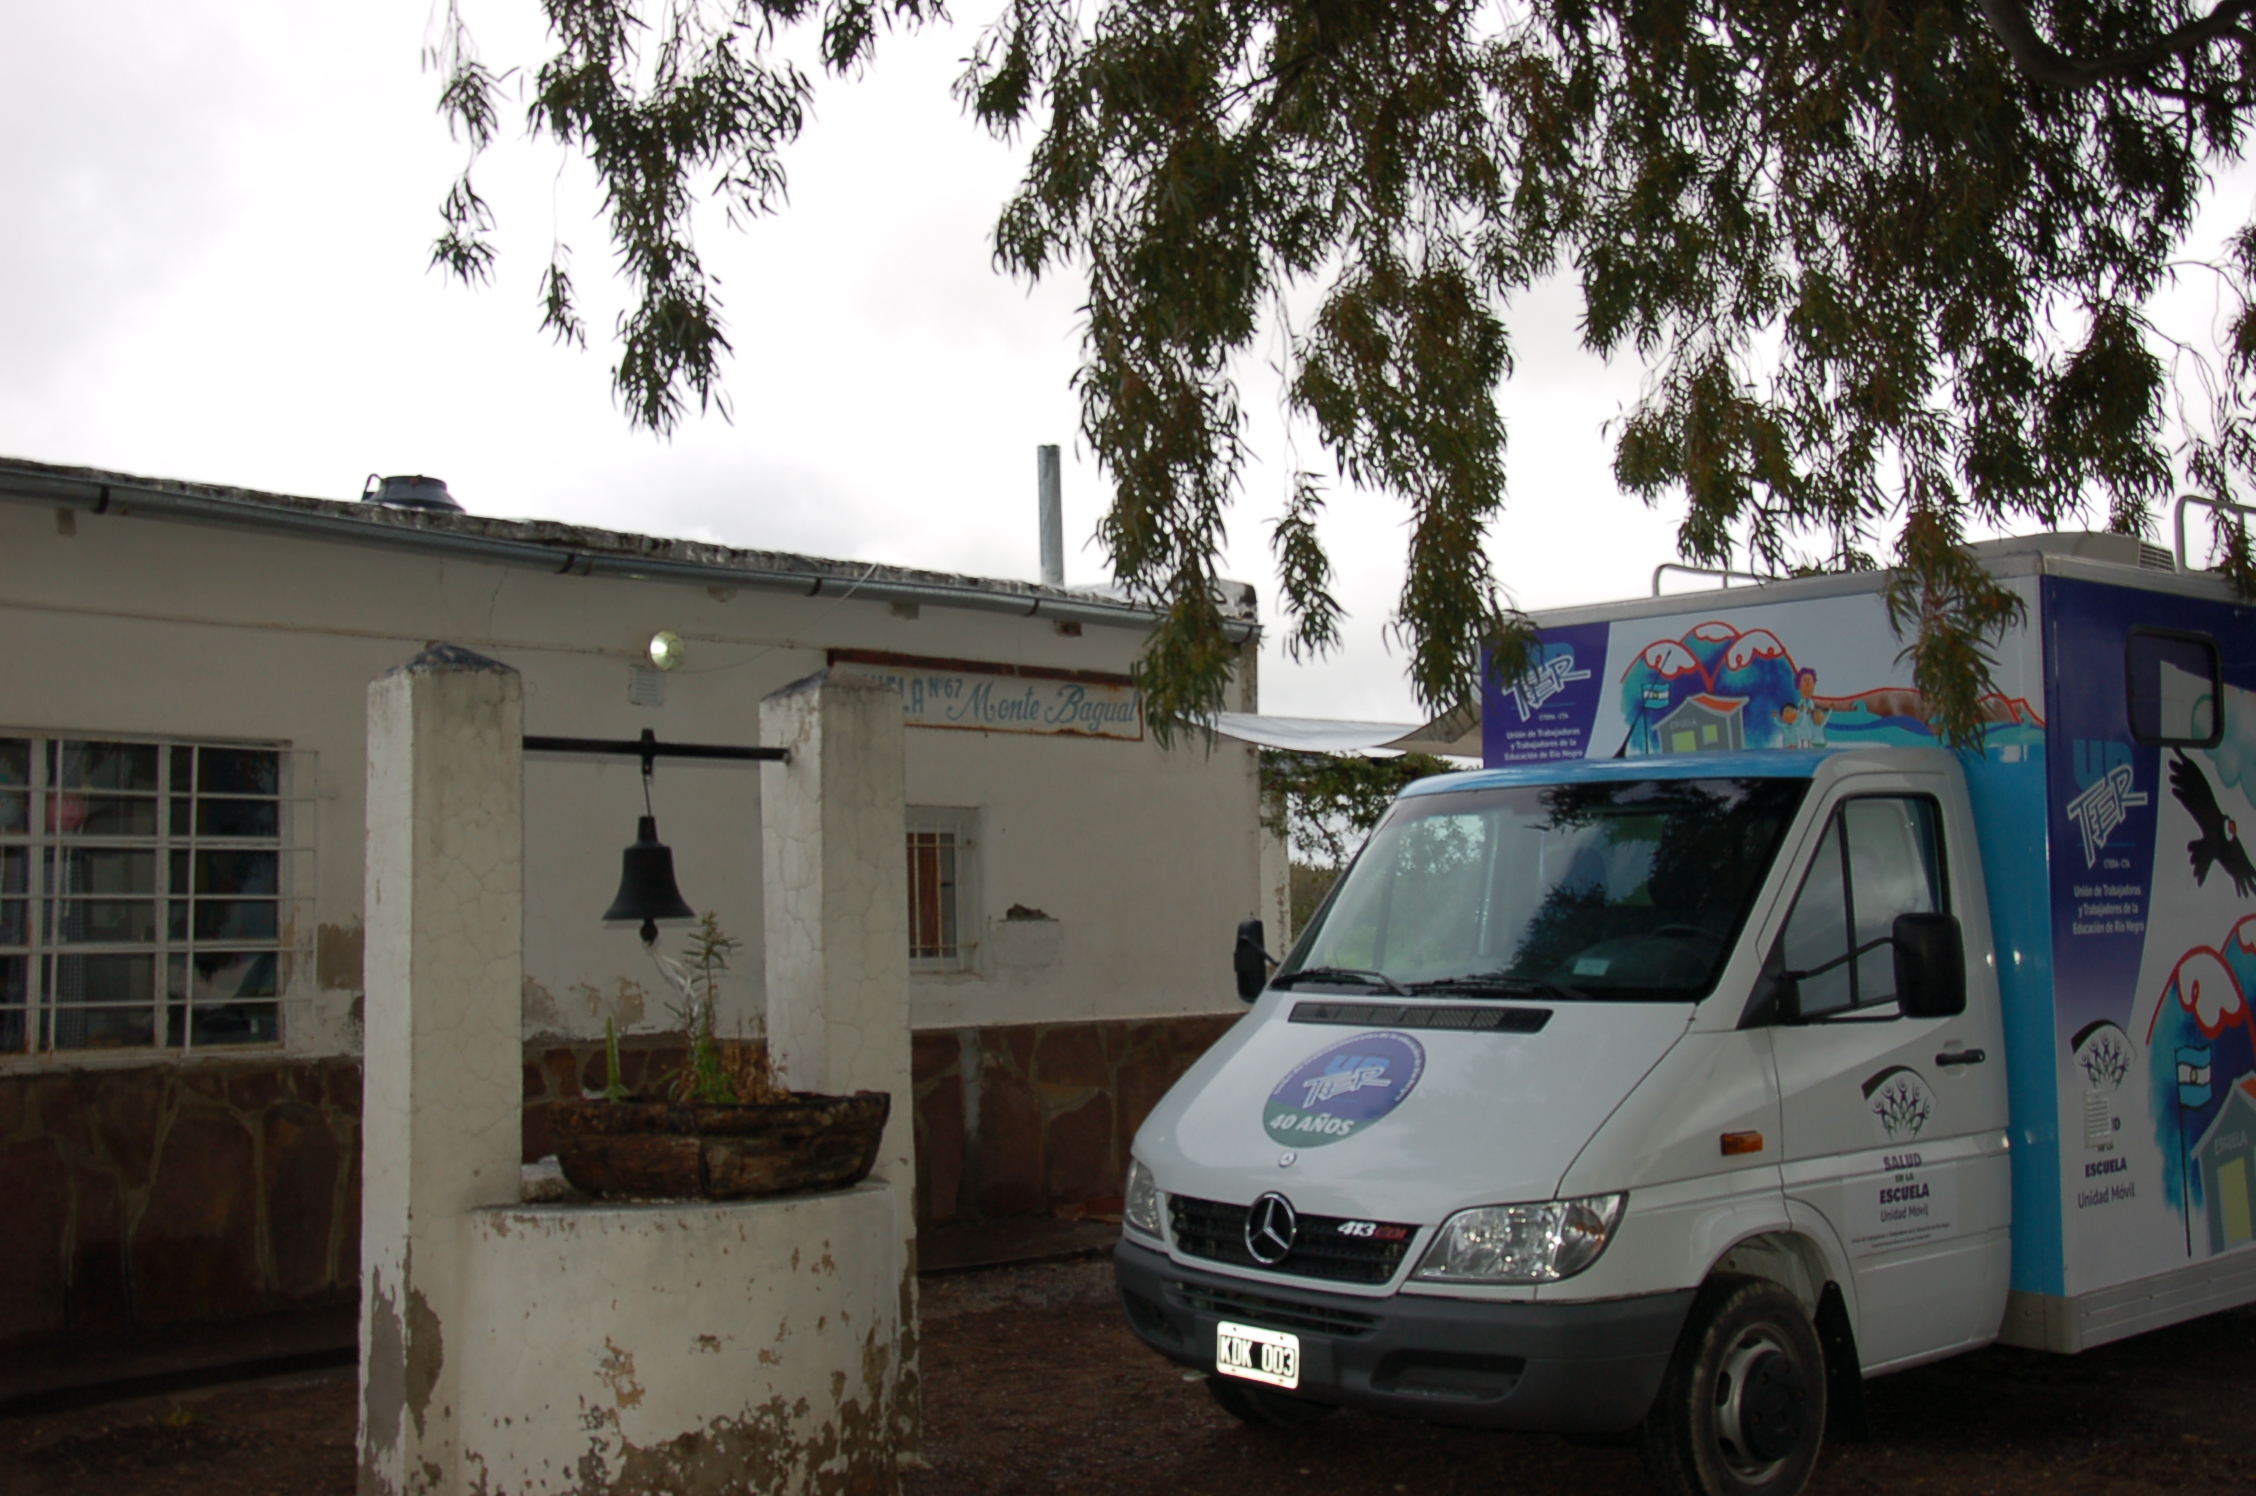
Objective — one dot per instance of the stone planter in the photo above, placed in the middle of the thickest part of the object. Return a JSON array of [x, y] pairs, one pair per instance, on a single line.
[[655, 1150]]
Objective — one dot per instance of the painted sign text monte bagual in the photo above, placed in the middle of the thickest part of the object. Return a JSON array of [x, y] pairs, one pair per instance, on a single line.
[[1005, 699]]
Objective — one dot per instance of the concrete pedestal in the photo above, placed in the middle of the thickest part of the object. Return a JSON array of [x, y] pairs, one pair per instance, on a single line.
[[683, 1348]]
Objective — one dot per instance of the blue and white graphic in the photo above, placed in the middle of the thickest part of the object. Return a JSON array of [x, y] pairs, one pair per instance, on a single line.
[[1545, 681], [2105, 805], [1343, 1088], [1548, 711]]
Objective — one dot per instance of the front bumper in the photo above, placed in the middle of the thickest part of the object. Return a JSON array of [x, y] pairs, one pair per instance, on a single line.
[[1588, 1368]]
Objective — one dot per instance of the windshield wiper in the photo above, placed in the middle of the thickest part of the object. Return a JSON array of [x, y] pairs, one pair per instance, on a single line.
[[1497, 985], [1341, 974]]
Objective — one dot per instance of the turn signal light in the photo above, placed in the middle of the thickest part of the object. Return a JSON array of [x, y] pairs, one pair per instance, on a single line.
[[1741, 1142]]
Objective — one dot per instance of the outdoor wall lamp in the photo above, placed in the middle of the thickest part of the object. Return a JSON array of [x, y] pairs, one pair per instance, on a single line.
[[666, 649], [647, 890]]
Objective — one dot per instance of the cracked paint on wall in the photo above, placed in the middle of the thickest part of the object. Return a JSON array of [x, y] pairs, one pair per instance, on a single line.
[[695, 1359]]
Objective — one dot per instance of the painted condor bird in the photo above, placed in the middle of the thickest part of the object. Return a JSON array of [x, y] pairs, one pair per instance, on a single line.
[[2219, 841]]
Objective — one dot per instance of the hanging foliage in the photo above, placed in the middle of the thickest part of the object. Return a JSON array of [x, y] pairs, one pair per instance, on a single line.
[[1889, 266]]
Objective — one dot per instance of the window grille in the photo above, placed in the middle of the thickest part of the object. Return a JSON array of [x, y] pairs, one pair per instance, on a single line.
[[144, 894], [940, 847]]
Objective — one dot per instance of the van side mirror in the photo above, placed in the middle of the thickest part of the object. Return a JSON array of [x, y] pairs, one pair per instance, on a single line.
[[1930, 965], [1251, 959]]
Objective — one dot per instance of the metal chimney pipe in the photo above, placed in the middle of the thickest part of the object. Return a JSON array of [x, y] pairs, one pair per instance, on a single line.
[[1053, 516]]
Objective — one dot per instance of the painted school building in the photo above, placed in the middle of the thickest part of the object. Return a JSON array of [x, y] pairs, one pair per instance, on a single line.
[[182, 818]]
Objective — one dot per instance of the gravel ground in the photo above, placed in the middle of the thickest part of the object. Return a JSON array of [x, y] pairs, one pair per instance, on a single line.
[[1033, 1384], [290, 1436]]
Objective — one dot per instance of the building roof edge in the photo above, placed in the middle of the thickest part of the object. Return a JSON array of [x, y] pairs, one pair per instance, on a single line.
[[576, 550]]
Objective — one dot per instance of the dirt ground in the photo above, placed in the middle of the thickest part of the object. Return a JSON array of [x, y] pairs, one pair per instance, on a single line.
[[1033, 1384]]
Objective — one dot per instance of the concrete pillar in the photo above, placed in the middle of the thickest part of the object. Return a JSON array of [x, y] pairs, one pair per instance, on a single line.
[[835, 892], [440, 1125]]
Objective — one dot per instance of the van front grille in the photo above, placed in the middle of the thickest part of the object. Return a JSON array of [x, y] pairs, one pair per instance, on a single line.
[[1369, 1253], [1281, 1314]]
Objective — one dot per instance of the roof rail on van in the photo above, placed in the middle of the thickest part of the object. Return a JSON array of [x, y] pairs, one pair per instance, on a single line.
[[1723, 572], [2178, 518]]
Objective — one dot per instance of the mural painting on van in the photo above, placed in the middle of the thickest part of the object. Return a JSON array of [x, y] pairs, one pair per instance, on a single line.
[[2152, 943], [1717, 688], [2193, 1021], [2201, 1065], [1344, 1088], [1825, 673]]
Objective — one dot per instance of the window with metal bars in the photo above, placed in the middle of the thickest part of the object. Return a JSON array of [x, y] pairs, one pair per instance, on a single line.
[[141, 895], [940, 848]]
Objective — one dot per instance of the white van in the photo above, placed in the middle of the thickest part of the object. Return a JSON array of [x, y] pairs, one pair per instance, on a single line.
[[1726, 1042]]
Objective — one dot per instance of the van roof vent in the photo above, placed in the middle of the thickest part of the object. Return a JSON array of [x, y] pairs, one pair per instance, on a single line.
[[2085, 545]]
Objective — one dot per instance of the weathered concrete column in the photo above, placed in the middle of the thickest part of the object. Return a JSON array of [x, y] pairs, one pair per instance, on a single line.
[[835, 892], [443, 1083]]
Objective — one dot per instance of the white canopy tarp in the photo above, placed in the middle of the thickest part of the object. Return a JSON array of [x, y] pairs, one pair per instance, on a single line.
[[1446, 734]]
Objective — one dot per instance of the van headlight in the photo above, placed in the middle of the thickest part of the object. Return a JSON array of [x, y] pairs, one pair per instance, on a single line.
[[1141, 1202], [1539, 1243]]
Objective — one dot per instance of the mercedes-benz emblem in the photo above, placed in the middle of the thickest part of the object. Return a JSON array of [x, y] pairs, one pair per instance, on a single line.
[[1269, 1229]]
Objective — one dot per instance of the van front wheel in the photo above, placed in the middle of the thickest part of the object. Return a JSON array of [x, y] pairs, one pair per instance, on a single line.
[[1741, 1409]]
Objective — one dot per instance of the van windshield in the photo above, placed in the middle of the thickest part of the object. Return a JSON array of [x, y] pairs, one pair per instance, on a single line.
[[1629, 890]]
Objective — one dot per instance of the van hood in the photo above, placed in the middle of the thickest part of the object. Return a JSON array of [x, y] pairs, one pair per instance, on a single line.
[[1394, 1121]]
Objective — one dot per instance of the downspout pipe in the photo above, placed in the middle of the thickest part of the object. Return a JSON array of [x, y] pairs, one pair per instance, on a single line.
[[119, 495]]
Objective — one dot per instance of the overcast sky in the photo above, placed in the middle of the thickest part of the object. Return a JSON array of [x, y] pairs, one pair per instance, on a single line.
[[218, 220]]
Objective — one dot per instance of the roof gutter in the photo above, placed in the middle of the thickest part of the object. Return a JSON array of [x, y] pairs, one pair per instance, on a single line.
[[122, 495]]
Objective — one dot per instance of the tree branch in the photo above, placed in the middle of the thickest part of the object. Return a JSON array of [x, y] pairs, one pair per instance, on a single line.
[[2041, 62]]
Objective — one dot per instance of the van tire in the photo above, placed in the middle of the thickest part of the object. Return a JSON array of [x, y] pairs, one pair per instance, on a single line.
[[1260, 1407], [1741, 1410]]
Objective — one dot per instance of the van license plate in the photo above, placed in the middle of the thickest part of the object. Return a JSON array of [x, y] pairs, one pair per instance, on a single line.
[[1257, 1355]]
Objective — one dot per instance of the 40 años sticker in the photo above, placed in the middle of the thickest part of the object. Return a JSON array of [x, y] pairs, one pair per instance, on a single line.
[[1343, 1088]]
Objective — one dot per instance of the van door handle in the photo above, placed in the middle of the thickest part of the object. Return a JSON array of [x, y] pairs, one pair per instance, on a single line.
[[1961, 1057]]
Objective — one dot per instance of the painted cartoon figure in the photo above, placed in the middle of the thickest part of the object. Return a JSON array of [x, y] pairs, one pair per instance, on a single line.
[[2201, 1044], [1804, 719]]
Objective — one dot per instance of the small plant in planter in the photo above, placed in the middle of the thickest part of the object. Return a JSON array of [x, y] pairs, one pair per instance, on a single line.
[[720, 1072], [729, 1130]]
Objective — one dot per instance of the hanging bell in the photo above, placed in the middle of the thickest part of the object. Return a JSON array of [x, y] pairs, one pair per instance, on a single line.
[[646, 883]]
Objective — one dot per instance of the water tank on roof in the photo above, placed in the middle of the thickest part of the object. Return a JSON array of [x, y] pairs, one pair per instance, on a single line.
[[416, 492]]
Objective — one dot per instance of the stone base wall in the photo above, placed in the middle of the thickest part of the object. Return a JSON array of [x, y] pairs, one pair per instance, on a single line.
[[169, 1194], [1023, 1119]]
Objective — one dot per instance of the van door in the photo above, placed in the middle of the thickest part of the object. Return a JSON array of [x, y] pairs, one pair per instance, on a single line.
[[1895, 1126]]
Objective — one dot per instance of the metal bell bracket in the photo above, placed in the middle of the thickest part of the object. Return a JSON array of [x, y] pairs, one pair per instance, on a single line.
[[653, 894], [649, 749]]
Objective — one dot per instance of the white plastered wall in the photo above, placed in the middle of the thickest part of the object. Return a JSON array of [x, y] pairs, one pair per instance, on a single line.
[[130, 626]]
